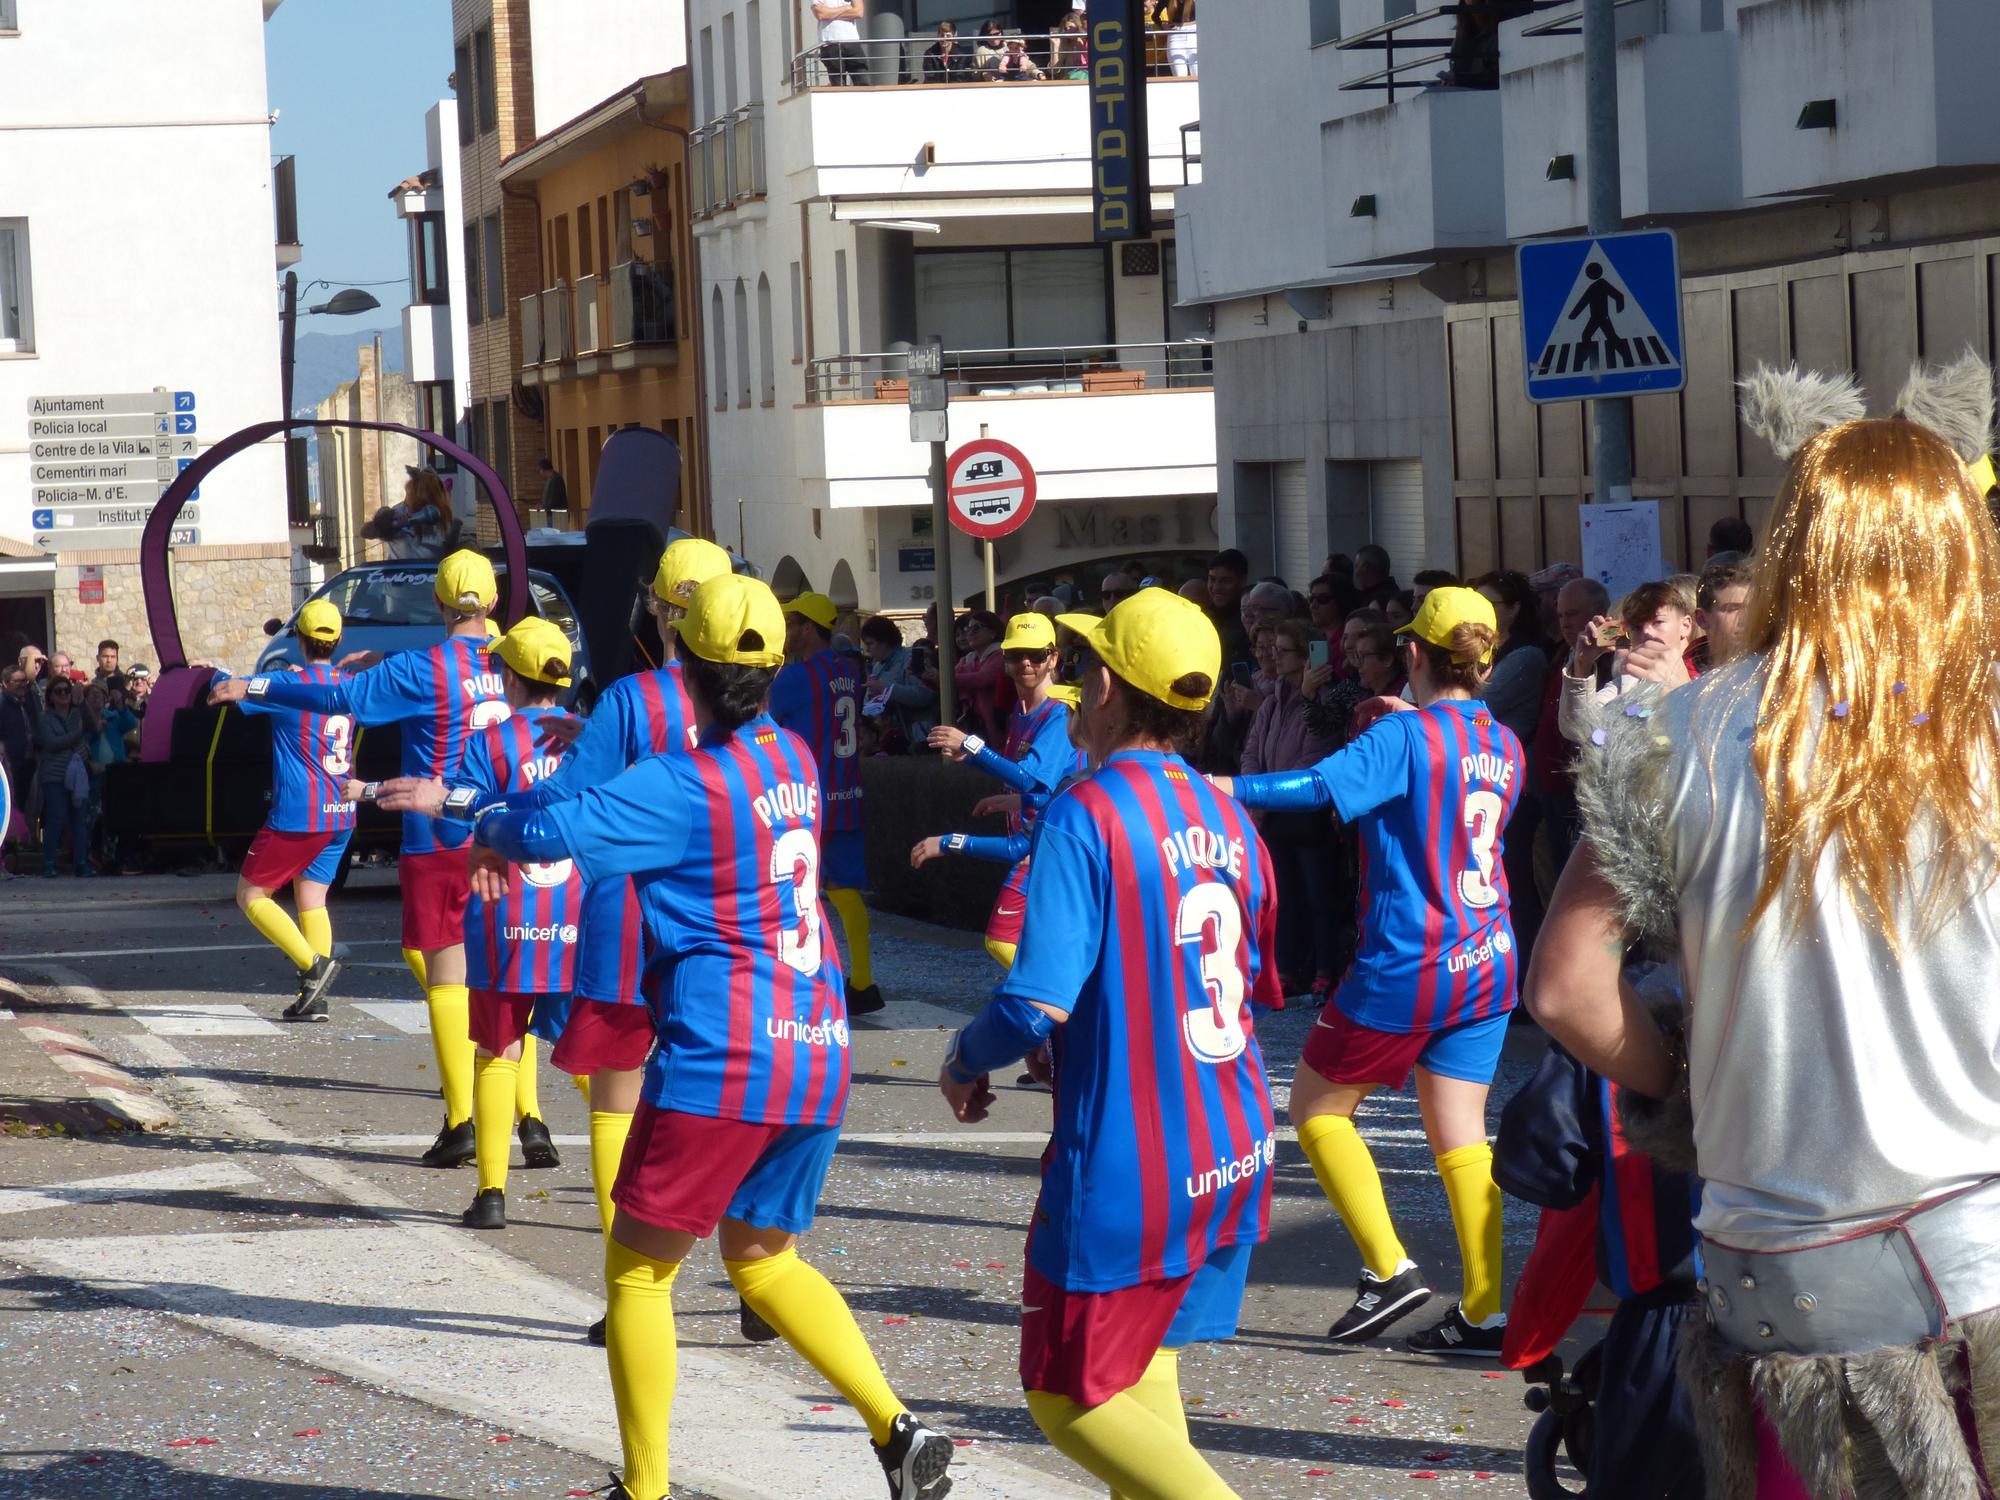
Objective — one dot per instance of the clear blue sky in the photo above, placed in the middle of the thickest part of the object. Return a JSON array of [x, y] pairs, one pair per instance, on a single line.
[[351, 81]]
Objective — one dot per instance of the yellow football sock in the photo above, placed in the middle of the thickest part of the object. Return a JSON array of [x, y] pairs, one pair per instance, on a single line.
[[415, 959], [269, 918], [639, 1341], [815, 1320], [1475, 1213], [608, 1130], [1002, 953], [318, 929], [582, 1082], [1128, 1446], [493, 1117], [527, 1088], [1347, 1176], [451, 1015], [854, 922], [1159, 1390]]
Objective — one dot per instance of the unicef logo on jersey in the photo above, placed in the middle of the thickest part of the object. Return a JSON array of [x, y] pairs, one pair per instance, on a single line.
[[826, 1033], [568, 933], [1502, 943], [543, 876]]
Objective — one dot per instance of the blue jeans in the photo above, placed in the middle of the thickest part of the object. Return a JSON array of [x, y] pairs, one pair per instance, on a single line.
[[62, 817]]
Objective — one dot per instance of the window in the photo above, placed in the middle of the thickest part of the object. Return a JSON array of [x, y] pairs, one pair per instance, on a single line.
[[9, 21], [17, 309], [476, 439], [798, 314], [718, 340], [489, 86], [753, 27], [1015, 299], [604, 235], [475, 306], [743, 374], [770, 392], [705, 107], [433, 277], [1325, 21], [729, 90], [496, 266], [437, 411], [503, 444], [840, 299], [464, 90], [583, 242]]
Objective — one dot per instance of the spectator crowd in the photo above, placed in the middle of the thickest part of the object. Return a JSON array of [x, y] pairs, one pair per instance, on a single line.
[[60, 728], [999, 52]]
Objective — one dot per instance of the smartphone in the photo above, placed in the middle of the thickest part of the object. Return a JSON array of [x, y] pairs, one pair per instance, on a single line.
[[1611, 633], [1240, 671], [1318, 653]]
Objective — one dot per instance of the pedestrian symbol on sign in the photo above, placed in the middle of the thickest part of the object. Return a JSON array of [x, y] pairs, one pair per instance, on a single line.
[[1601, 315], [1615, 332]]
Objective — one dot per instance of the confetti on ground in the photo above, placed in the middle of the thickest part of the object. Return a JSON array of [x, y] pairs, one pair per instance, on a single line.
[[1392, 1403], [503, 1437], [895, 1320], [307, 1432], [822, 1408], [1422, 1474]]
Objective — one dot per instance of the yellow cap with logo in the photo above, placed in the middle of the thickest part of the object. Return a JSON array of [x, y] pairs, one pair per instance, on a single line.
[[465, 582], [537, 650], [815, 607], [1444, 610], [319, 620], [687, 564], [1082, 621], [726, 609], [1029, 631], [1152, 639]]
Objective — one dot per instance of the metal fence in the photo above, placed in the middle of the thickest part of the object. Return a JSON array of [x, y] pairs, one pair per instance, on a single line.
[[1051, 56], [1084, 369], [726, 160]]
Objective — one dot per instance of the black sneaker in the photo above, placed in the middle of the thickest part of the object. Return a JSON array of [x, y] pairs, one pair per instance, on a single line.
[[488, 1211], [755, 1329], [865, 1001], [303, 1009], [594, 1334], [537, 1149], [313, 985], [1378, 1303], [616, 1490], [454, 1146], [915, 1459], [1455, 1336]]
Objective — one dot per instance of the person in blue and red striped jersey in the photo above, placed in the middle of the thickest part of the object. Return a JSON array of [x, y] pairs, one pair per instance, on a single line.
[[744, 1097], [1152, 919], [439, 697], [1037, 759], [1431, 790], [818, 697], [521, 948], [310, 823]]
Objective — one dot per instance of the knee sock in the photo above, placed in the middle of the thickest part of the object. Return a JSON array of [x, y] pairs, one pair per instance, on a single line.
[[415, 959], [493, 1117], [582, 1082], [815, 1320], [1475, 1213], [854, 922], [1123, 1443], [1001, 953], [269, 918], [527, 1088], [318, 928], [451, 1012], [1347, 1176], [608, 1130], [1159, 1390], [639, 1342]]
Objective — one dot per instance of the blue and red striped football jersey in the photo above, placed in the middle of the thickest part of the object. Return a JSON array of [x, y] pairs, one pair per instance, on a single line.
[[1432, 792], [1152, 921], [750, 1001], [526, 943], [819, 700], [312, 754], [1038, 742]]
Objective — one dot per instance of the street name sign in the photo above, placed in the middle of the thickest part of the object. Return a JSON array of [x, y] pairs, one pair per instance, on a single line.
[[116, 403], [1601, 315], [110, 538]]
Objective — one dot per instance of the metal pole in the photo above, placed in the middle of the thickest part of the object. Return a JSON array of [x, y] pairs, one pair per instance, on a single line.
[[1613, 452], [992, 600], [290, 319], [946, 615]]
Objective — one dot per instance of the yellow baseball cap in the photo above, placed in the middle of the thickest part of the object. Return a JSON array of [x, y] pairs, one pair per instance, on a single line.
[[319, 620], [492, 629], [1067, 694], [1082, 621], [687, 564], [1152, 639], [1445, 609], [1029, 631], [1981, 474], [723, 611], [815, 607], [465, 582], [537, 650]]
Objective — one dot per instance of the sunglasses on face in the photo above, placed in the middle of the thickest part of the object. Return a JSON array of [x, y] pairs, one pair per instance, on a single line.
[[1025, 658]]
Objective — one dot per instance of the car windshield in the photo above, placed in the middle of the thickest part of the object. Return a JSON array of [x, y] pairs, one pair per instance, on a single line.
[[402, 596]]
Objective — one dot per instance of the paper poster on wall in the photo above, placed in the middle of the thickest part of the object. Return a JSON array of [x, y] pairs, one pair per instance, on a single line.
[[1621, 545]]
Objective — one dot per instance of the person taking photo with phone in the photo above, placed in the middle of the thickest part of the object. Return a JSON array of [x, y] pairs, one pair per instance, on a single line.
[[1647, 643]]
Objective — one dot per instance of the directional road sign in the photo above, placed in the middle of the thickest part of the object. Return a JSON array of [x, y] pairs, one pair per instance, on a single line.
[[103, 470], [1601, 315], [992, 488], [131, 425], [106, 538], [114, 403], [83, 450], [133, 492], [86, 517]]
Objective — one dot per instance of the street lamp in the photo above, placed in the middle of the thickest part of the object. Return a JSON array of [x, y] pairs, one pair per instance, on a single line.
[[343, 303]]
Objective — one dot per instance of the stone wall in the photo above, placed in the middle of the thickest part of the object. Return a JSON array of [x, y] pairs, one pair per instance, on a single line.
[[224, 595]]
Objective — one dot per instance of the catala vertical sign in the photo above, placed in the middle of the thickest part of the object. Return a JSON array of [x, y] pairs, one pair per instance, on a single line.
[[1120, 179]]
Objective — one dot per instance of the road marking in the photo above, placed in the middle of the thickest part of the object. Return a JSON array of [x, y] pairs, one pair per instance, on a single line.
[[412, 1016], [148, 952], [200, 1020], [203, 1177]]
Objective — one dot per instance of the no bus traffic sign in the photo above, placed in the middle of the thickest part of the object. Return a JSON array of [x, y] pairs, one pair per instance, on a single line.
[[991, 485]]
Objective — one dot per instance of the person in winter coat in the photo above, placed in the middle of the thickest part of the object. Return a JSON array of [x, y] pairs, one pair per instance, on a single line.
[[65, 782]]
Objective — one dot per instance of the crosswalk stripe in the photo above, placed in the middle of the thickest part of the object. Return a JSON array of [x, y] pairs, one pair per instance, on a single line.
[[202, 1177]]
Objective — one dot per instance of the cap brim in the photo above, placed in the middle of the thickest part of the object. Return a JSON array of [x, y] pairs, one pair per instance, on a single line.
[[1078, 620]]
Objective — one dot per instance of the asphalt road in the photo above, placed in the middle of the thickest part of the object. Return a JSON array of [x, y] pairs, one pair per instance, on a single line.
[[274, 1300]]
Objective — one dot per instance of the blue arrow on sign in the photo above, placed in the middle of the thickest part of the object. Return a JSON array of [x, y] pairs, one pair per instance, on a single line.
[[181, 463], [183, 423], [44, 520], [183, 400]]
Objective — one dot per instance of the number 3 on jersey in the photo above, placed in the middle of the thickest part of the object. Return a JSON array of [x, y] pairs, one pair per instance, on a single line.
[[1210, 919], [1483, 812], [795, 869], [338, 736], [843, 742]]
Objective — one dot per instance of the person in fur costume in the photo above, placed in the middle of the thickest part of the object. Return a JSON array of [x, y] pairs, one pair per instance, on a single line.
[[1815, 828]]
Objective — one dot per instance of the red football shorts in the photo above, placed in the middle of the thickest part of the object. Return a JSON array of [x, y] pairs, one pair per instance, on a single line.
[[276, 858], [436, 887], [1010, 909], [1089, 1346], [604, 1035], [689, 1172], [499, 1019], [1342, 1050]]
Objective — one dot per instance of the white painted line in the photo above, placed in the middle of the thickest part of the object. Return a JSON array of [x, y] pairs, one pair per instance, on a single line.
[[200, 1020], [148, 952], [412, 1016], [204, 1177]]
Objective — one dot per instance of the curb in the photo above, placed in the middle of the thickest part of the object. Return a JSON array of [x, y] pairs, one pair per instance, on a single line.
[[109, 1097]]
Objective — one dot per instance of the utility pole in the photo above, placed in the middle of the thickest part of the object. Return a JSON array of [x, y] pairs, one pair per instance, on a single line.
[[946, 615], [1612, 469]]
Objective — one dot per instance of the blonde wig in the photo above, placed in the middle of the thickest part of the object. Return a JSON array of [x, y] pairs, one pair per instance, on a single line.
[[1877, 602]]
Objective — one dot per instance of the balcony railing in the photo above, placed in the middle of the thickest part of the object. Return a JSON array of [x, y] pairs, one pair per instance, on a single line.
[[1052, 57], [1085, 369], [726, 160], [1471, 57], [557, 345], [642, 305], [531, 329], [587, 320]]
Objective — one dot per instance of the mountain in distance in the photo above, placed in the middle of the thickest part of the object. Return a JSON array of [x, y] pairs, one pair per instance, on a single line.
[[323, 360]]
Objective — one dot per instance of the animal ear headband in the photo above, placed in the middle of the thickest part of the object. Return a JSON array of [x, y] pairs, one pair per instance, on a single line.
[[1787, 407]]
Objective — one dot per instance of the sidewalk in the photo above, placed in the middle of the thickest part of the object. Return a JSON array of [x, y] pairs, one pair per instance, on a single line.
[[54, 1080]]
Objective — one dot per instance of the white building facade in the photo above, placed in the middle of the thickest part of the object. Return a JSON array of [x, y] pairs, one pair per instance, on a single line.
[[137, 252], [1829, 166], [436, 340], [840, 224]]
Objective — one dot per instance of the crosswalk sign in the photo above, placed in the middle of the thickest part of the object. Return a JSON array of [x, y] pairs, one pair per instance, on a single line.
[[1601, 315]]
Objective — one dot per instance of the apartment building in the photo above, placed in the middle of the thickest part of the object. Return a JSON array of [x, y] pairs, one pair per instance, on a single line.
[[437, 336]]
